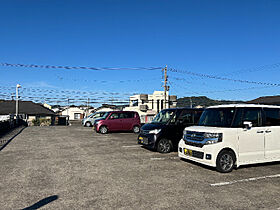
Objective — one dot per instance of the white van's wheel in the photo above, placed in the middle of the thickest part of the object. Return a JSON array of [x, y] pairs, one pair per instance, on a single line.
[[88, 124], [225, 161], [136, 129], [103, 129]]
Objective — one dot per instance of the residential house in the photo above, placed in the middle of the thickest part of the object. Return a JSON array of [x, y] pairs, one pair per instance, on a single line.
[[107, 108], [74, 112], [27, 109]]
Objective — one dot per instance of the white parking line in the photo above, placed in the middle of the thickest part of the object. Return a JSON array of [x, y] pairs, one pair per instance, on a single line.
[[157, 158], [163, 158], [244, 180], [131, 146]]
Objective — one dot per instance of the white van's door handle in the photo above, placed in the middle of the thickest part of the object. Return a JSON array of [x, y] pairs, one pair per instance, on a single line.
[[259, 131], [268, 131]]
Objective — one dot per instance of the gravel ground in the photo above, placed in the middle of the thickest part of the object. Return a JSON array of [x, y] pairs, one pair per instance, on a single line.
[[74, 168]]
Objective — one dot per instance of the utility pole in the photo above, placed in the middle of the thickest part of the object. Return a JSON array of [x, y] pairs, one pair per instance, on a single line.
[[17, 87], [67, 106], [88, 107], [191, 102], [166, 88]]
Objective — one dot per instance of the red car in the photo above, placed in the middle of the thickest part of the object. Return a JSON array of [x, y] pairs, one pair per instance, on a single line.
[[118, 121]]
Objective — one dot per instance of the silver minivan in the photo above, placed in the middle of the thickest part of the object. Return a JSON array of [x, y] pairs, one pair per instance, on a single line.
[[89, 120]]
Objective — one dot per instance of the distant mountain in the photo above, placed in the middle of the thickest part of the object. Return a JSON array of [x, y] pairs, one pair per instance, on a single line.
[[202, 101], [269, 100]]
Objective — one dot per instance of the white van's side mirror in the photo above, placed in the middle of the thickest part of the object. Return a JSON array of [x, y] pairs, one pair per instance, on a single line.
[[247, 124]]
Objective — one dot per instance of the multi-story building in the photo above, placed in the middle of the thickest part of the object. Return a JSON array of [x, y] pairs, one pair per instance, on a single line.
[[149, 105]]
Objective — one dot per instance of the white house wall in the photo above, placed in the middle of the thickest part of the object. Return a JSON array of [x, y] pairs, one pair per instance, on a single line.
[[72, 111]]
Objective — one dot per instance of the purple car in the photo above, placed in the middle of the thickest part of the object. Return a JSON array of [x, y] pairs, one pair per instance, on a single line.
[[118, 121]]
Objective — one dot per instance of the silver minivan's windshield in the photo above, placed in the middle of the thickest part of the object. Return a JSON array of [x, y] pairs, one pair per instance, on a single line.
[[105, 115], [217, 117], [164, 116]]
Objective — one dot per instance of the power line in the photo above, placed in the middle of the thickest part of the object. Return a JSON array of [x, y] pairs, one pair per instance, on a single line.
[[222, 78], [54, 91], [78, 67], [254, 69]]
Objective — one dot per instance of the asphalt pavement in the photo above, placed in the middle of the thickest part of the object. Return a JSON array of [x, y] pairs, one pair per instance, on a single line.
[[75, 168]]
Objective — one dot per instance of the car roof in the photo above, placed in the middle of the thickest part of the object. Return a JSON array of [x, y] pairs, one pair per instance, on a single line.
[[123, 112], [184, 108], [244, 105]]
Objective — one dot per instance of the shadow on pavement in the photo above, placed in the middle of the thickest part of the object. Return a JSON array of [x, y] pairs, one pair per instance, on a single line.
[[9, 140], [42, 202]]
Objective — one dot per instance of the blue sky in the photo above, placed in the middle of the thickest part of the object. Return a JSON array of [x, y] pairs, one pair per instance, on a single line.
[[237, 39]]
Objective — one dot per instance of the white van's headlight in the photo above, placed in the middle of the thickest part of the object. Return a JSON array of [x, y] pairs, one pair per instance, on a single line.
[[155, 131], [213, 138]]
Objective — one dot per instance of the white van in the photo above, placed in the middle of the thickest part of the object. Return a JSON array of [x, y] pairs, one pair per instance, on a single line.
[[228, 136]]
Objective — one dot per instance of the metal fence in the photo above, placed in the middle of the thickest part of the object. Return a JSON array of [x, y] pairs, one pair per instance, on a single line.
[[7, 124]]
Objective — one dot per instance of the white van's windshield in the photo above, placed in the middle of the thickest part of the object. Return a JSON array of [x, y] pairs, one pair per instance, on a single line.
[[164, 116], [217, 117]]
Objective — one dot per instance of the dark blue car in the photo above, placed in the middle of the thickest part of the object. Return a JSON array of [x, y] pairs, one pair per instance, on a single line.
[[166, 130]]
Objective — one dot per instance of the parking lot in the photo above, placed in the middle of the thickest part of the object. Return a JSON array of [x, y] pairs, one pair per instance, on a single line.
[[75, 168]]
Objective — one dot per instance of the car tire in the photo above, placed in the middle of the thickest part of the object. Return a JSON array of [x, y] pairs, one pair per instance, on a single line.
[[164, 146], [225, 161], [103, 129], [136, 129], [88, 124]]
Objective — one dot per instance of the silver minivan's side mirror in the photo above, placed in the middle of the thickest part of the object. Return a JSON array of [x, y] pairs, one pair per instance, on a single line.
[[247, 124]]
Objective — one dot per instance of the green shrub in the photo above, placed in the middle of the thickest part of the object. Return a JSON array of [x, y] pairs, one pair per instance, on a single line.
[[41, 122], [36, 122], [45, 122]]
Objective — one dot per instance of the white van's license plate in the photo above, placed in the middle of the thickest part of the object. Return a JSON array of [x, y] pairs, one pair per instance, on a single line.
[[188, 152]]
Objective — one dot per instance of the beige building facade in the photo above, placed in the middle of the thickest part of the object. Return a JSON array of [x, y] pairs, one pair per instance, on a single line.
[[148, 106]]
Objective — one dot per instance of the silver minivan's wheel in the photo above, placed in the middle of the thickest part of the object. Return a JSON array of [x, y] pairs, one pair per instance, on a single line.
[[136, 129], [225, 161], [103, 129], [88, 124], [164, 146]]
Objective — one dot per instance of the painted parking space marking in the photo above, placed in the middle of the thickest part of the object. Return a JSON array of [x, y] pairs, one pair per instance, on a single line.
[[164, 158], [245, 180], [131, 146], [157, 158]]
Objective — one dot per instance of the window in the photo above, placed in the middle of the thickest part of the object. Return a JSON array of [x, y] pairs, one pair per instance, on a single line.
[[272, 117], [197, 115], [77, 116], [186, 117], [163, 117], [134, 102], [252, 115], [217, 117], [127, 115], [115, 116], [99, 115]]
